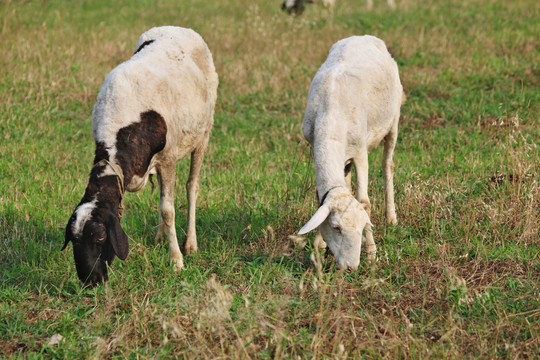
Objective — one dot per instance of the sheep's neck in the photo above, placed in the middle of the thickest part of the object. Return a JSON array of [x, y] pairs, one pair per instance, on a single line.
[[104, 188], [329, 166]]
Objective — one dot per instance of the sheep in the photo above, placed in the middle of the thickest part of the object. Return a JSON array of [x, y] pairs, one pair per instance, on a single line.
[[391, 4], [297, 7], [152, 110], [353, 104]]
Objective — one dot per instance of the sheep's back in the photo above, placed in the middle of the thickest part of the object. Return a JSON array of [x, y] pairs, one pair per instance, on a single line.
[[173, 75], [357, 90]]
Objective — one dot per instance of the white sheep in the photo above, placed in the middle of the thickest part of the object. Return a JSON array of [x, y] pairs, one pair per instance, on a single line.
[[353, 103], [152, 110], [391, 4]]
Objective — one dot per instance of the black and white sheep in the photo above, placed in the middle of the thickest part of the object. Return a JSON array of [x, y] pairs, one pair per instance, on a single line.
[[152, 110], [297, 7], [353, 104]]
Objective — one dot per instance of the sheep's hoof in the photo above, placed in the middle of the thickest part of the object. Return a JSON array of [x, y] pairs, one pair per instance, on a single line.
[[160, 235], [392, 220], [190, 247], [177, 264], [372, 253], [319, 242]]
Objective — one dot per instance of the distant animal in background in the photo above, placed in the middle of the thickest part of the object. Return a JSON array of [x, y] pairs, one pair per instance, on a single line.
[[391, 4], [297, 7], [353, 104], [294, 7], [152, 110]]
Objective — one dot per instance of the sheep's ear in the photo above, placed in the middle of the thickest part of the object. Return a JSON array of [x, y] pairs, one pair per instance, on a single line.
[[65, 244], [316, 220], [68, 234], [118, 238]]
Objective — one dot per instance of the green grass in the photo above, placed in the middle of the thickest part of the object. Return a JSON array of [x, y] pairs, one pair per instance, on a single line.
[[457, 277]]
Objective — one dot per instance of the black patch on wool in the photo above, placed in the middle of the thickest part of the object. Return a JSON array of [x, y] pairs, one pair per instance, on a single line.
[[103, 188], [324, 197], [137, 143], [101, 153], [297, 8], [147, 42]]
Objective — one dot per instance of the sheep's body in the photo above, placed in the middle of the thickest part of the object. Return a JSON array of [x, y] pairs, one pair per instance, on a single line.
[[353, 103], [151, 111], [175, 79]]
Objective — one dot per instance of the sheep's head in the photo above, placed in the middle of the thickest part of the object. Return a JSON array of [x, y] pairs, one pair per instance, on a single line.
[[341, 220], [97, 237]]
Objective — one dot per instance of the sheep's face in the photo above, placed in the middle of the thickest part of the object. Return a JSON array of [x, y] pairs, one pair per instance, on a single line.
[[96, 240], [342, 231], [341, 220], [93, 253]]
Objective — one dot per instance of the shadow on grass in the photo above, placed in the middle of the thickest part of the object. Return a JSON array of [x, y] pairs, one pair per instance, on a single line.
[[30, 256]]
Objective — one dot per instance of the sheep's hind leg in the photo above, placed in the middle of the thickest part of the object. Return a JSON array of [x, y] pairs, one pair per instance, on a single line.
[[318, 243], [192, 188], [362, 167], [167, 178], [348, 175], [388, 174], [160, 235]]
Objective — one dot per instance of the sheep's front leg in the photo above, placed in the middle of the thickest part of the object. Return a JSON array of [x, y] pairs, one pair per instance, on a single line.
[[167, 178], [192, 188], [388, 174], [361, 164], [319, 241]]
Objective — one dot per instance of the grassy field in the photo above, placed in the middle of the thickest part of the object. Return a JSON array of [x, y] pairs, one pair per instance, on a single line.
[[457, 277]]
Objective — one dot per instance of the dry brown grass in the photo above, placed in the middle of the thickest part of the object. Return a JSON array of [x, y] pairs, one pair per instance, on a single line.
[[457, 278]]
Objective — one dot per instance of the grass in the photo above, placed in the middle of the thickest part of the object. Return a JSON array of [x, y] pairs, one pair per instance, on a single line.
[[457, 277]]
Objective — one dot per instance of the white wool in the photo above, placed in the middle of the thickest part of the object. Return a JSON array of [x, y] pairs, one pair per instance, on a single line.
[[289, 3], [82, 214], [391, 4], [329, 3], [353, 103], [174, 76]]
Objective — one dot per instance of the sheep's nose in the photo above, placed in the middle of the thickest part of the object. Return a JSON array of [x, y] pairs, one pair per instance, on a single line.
[[92, 280], [347, 267]]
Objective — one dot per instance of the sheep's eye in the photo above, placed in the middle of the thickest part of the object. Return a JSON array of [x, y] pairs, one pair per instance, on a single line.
[[101, 239], [337, 229]]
